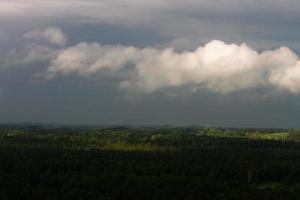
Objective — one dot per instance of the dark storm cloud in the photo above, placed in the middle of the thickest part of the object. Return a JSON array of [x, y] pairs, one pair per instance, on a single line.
[[229, 20], [34, 34]]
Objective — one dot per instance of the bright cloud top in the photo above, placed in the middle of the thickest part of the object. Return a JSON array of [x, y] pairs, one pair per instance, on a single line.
[[51, 34], [216, 66]]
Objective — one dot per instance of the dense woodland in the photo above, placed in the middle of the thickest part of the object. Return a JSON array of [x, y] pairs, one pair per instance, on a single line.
[[40, 162]]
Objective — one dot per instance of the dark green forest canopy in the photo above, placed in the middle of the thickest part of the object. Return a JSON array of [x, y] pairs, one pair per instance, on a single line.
[[51, 162]]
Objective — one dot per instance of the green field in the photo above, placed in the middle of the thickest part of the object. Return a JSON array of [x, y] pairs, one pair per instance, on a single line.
[[149, 163]]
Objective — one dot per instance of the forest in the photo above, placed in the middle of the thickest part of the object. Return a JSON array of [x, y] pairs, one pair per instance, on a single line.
[[44, 162]]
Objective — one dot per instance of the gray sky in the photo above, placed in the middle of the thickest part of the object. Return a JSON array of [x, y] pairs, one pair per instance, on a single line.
[[193, 62]]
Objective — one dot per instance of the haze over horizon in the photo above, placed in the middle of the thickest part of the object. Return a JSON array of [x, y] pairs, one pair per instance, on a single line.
[[214, 63]]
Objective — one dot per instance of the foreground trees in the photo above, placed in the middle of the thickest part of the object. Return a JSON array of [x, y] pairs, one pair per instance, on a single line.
[[122, 163]]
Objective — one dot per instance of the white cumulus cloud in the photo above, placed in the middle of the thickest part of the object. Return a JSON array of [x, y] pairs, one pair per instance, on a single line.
[[51, 34], [217, 66]]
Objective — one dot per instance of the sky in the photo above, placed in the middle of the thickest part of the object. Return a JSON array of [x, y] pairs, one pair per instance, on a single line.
[[225, 63]]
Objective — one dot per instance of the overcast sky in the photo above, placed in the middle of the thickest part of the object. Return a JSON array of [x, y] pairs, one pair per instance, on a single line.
[[194, 62]]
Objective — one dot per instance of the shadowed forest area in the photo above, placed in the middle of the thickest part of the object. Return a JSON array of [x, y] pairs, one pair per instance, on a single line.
[[148, 163]]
